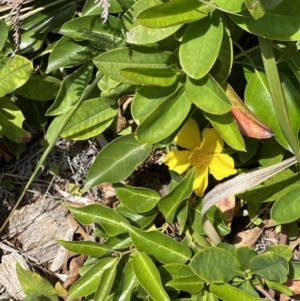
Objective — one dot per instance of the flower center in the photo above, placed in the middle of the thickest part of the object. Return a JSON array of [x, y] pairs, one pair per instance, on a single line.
[[199, 158]]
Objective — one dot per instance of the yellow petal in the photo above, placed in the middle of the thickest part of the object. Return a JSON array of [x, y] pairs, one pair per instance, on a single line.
[[201, 180], [189, 135], [178, 161], [222, 166], [212, 141]]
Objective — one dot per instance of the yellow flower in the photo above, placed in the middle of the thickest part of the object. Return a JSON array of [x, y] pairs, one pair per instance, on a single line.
[[205, 155]]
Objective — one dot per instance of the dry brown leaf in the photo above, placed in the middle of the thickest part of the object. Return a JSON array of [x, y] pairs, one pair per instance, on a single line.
[[226, 207], [107, 190], [294, 243], [73, 223], [75, 264], [294, 286], [248, 237]]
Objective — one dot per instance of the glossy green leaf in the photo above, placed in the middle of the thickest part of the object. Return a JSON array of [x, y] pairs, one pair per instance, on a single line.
[[158, 246], [227, 128], [223, 64], [259, 101], [162, 77], [84, 247], [140, 35], [122, 154], [270, 266], [32, 41], [68, 53], [13, 121], [91, 9], [282, 23], [106, 283], [279, 287], [228, 292], [89, 282], [3, 33], [108, 218], [14, 74], [172, 13], [101, 35], [294, 272], [169, 204], [111, 62], [140, 220], [286, 208], [34, 284], [119, 242], [71, 90], [207, 95], [137, 199], [205, 262], [201, 45], [91, 119], [191, 284], [51, 17], [147, 98], [39, 88], [164, 119], [148, 276], [127, 284], [243, 255], [233, 6], [259, 8]]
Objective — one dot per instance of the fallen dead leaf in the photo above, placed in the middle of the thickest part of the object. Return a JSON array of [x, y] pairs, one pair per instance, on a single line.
[[226, 207], [75, 263], [294, 286], [248, 237]]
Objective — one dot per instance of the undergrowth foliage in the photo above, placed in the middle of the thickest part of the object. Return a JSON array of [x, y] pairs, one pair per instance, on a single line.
[[229, 67]]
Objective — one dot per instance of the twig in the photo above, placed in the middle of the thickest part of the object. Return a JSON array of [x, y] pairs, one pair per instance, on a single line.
[[265, 293]]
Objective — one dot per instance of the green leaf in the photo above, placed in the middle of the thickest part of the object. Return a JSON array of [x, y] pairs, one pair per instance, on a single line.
[[140, 220], [243, 255], [108, 218], [282, 250], [34, 284], [205, 262], [169, 204], [84, 247], [111, 62], [148, 276], [39, 88], [14, 74], [191, 284], [294, 267], [259, 101], [119, 242], [31, 41], [49, 18], [282, 23], [175, 270], [172, 13], [137, 199], [71, 90], [3, 33], [91, 9], [227, 128], [164, 119], [68, 53], [207, 95], [201, 45], [279, 287], [258, 9], [228, 292], [91, 119], [88, 283], [122, 154], [127, 284], [233, 6], [106, 283], [140, 35], [147, 98], [13, 121], [158, 246], [101, 35], [162, 77], [270, 266], [286, 208]]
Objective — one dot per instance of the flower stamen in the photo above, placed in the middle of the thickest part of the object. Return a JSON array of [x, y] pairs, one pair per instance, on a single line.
[[199, 158]]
